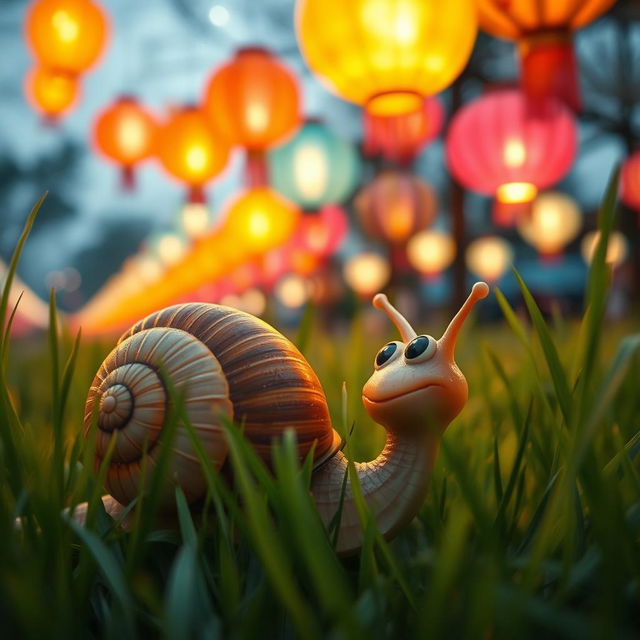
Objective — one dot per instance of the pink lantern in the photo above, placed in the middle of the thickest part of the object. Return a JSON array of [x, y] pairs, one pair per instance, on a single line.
[[508, 146], [400, 138], [322, 233], [630, 181]]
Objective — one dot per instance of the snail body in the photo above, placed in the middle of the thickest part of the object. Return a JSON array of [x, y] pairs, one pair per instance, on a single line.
[[225, 364]]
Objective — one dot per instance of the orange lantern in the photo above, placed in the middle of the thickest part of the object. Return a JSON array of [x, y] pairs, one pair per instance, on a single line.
[[543, 30], [260, 219], [430, 252], [383, 54], [191, 150], [395, 206], [254, 101], [66, 35], [51, 92], [124, 132]]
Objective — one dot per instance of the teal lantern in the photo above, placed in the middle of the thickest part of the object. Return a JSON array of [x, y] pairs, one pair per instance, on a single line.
[[315, 168]]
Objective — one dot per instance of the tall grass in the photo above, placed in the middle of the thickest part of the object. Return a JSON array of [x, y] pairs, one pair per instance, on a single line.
[[531, 527]]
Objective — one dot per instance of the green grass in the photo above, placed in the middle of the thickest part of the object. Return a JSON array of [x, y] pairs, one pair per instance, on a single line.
[[531, 527]]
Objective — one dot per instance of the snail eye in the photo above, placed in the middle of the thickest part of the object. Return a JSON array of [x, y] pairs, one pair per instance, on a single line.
[[420, 349], [385, 354]]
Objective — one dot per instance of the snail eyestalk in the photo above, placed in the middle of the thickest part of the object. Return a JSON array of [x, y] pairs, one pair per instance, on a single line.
[[380, 301], [448, 341]]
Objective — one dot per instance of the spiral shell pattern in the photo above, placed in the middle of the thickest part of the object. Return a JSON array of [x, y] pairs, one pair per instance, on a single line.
[[129, 402], [271, 385]]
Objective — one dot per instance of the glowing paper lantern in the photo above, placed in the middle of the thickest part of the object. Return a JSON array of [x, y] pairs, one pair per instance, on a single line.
[[314, 168], [194, 217], [292, 291], [617, 247], [124, 133], [254, 101], [543, 31], [191, 150], [430, 252], [489, 257], [51, 92], [383, 54], [630, 181], [260, 219], [508, 146], [367, 273], [322, 233], [554, 221], [400, 138], [66, 35], [395, 206]]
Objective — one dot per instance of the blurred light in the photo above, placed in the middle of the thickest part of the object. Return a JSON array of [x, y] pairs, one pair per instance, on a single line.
[[51, 92], [383, 54], [489, 257], [554, 221], [254, 302], [367, 273], [292, 291], [195, 219], [512, 192], [431, 252], [218, 15], [170, 248], [617, 247], [145, 267]]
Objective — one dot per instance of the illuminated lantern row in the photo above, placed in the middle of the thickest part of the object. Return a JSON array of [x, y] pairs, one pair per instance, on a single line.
[[554, 221], [400, 138], [66, 38], [430, 252], [254, 102], [191, 150], [315, 167], [125, 133], [489, 257], [630, 181], [395, 206], [505, 145], [543, 31]]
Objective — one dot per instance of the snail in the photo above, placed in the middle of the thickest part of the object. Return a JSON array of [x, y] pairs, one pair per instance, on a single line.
[[227, 363]]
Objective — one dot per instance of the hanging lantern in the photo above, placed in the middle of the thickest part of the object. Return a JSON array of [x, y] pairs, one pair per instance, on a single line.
[[386, 55], [430, 252], [191, 150], [314, 168], [617, 248], [367, 273], [554, 221], [66, 35], [52, 93], [489, 257], [124, 132], [543, 30], [400, 138], [508, 146], [395, 206], [194, 219], [254, 101], [630, 181], [322, 233], [259, 220]]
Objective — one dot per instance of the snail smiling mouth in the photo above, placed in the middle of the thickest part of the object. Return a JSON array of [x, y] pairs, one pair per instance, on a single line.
[[403, 394]]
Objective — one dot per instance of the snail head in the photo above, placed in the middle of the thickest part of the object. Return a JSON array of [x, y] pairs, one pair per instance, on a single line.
[[416, 382]]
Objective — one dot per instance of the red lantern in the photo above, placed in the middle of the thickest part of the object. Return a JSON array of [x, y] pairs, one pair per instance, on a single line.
[[254, 101], [66, 35], [124, 132], [630, 181], [508, 146], [543, 30], [395, 206], [51, 92], [191, 150], [322, 233], [400, 138]]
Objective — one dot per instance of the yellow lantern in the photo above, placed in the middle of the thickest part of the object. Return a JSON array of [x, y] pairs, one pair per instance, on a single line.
[[367, 273], [617, 248], [430, 252], [387, 55], [554, 221], [259, 220], [489, 257]]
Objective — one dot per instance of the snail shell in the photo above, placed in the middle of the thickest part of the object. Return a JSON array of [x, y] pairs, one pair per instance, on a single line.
[[224, 363]]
